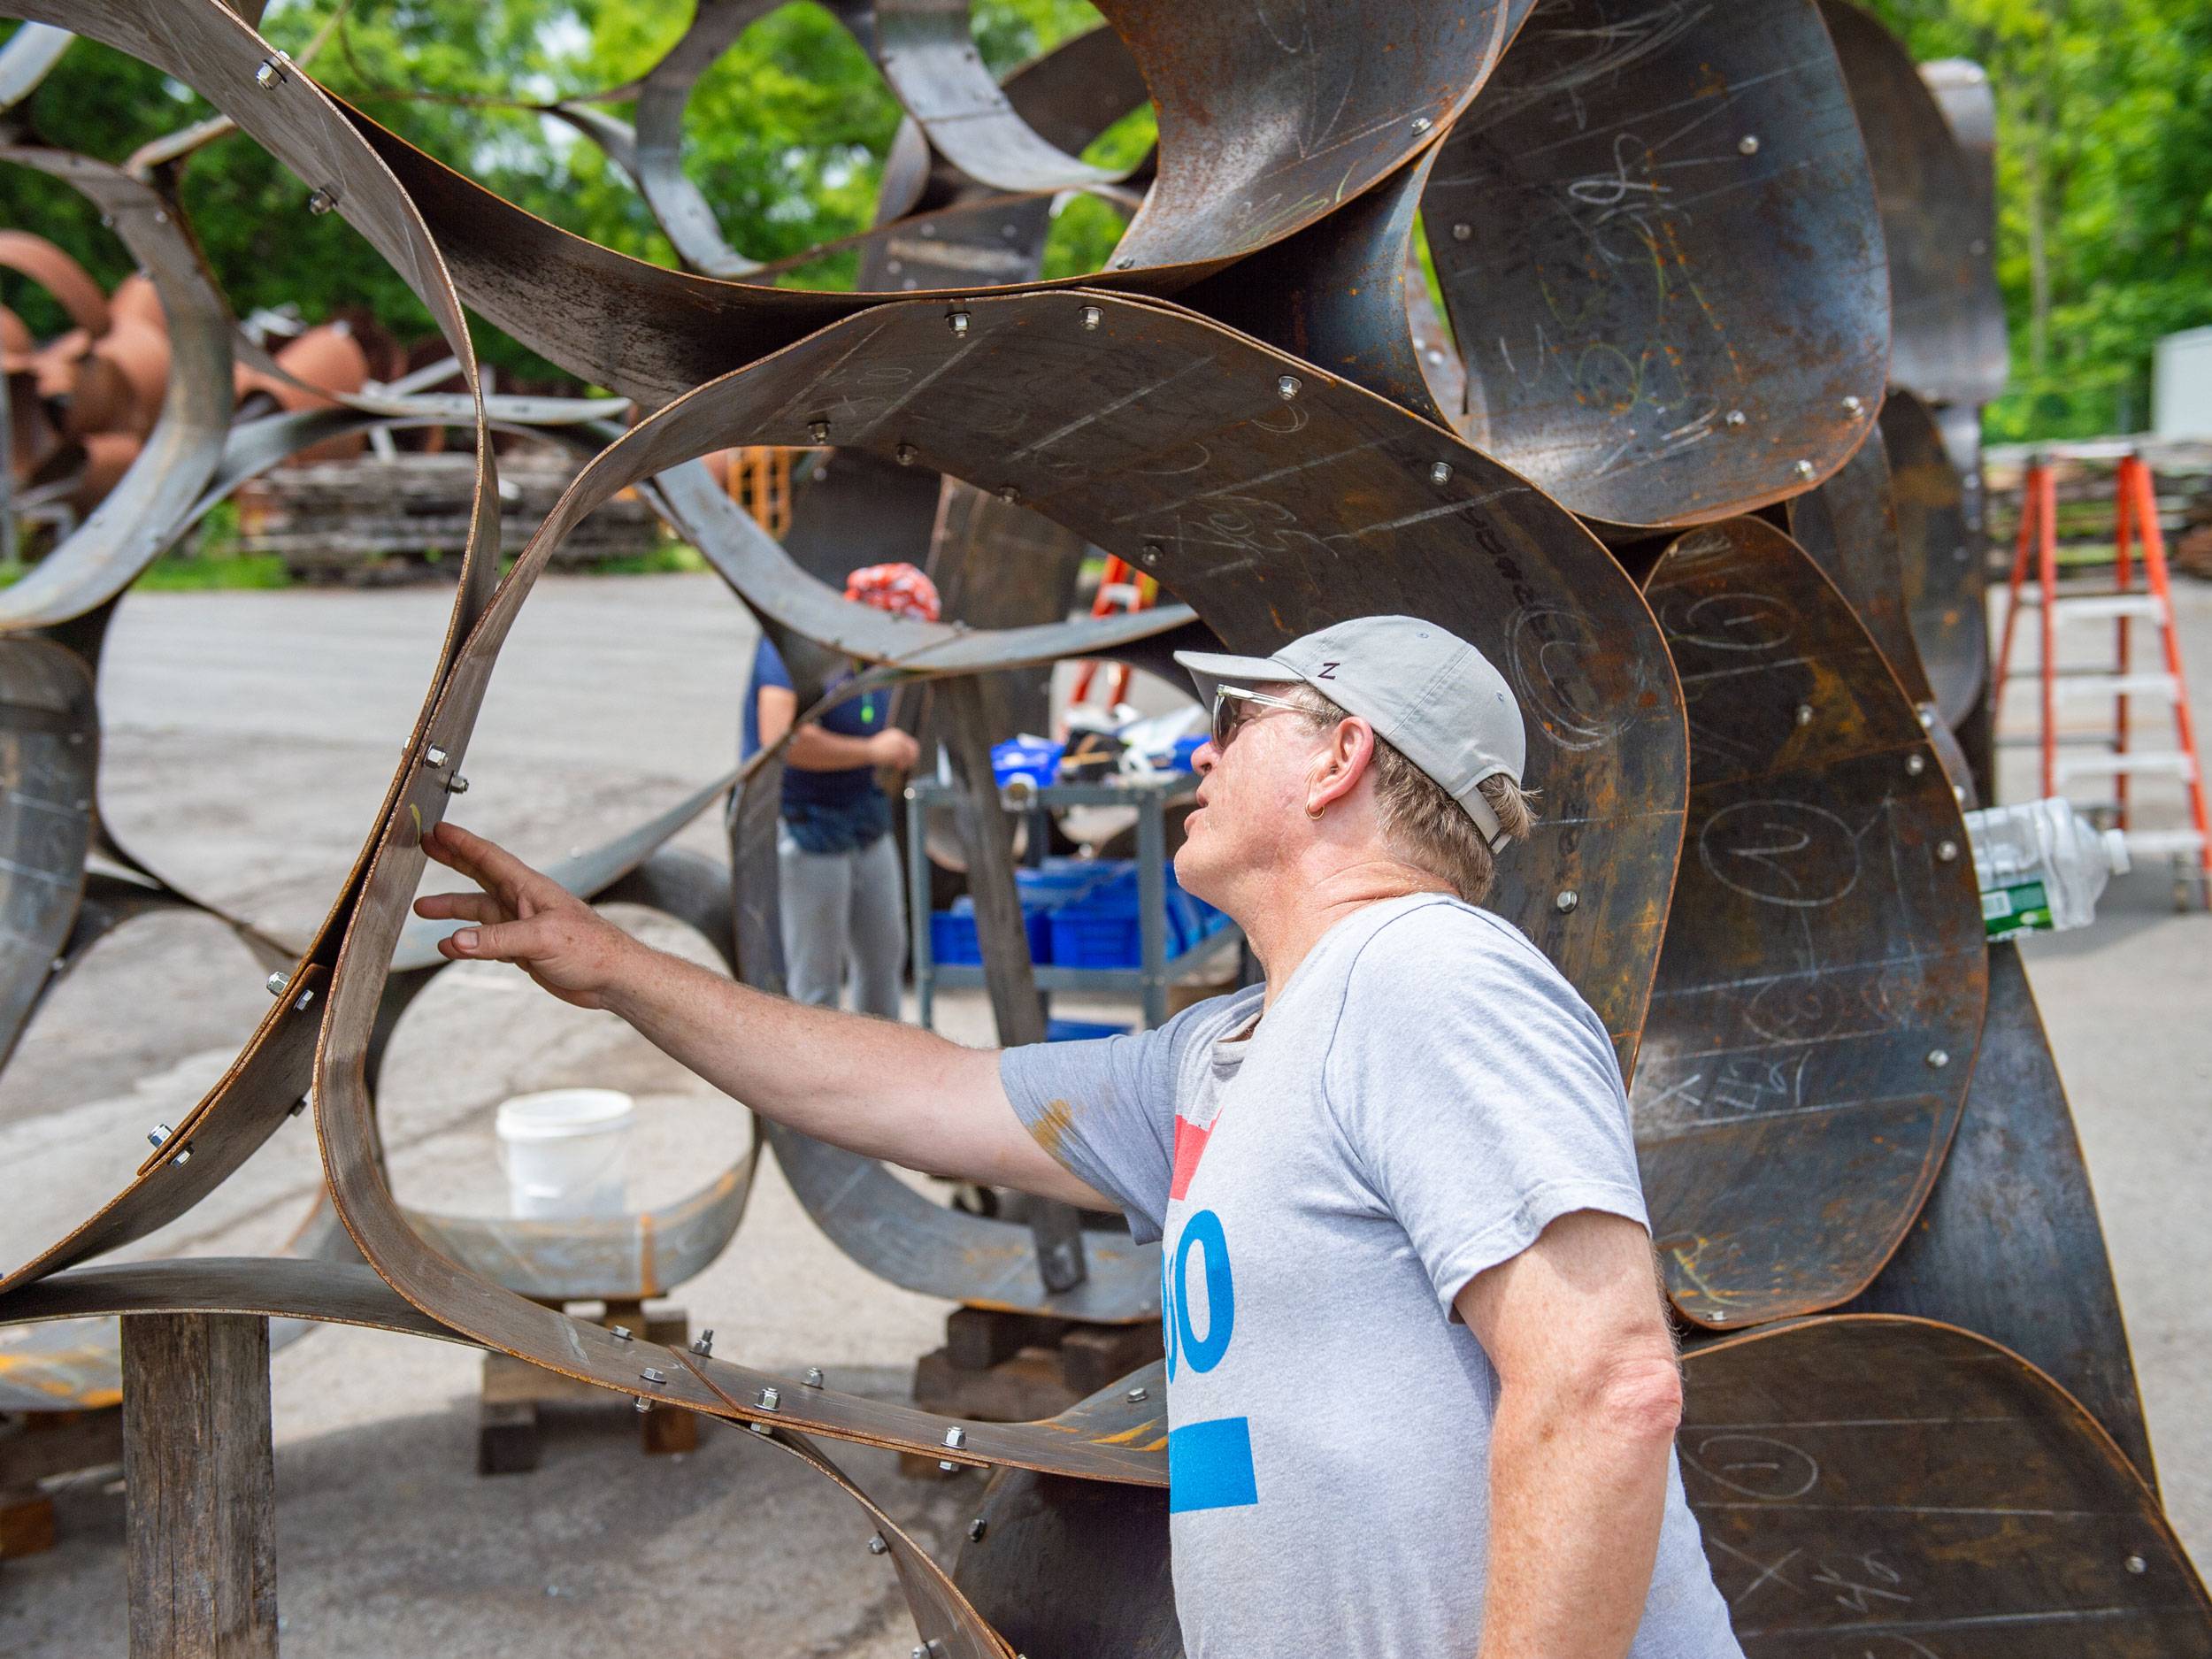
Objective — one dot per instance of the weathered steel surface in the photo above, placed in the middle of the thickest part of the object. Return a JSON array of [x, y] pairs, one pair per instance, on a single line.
[[1945, 579], [1655, 234], [2008, 1244], [49, 756], [1896, 1487], [1946, 318], [1821, 990], [1849, 527]]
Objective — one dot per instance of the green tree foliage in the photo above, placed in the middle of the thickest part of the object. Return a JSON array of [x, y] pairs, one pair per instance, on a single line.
[[2104, 129]]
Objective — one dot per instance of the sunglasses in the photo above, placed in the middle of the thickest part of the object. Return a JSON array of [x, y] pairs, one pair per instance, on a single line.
[[1236, 707]]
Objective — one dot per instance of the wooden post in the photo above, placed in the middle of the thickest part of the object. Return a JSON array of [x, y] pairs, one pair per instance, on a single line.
[[1008, 972], [200, 1476]]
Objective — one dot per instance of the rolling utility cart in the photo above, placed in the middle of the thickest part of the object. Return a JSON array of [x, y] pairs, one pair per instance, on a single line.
[[1170, 942]]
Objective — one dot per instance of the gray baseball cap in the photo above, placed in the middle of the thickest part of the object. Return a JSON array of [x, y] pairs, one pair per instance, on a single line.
[[1427, 693]]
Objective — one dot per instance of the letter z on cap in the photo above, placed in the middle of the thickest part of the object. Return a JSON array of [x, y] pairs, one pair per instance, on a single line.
[[1427, 693]]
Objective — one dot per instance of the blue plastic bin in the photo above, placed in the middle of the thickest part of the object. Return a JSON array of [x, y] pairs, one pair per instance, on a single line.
[[953, 941]]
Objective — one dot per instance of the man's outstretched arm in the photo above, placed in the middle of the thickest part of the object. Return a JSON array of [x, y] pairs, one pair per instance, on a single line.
[[872, 1086]]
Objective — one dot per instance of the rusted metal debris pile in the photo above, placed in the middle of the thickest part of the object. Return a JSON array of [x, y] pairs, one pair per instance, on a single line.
[[1700, 472]]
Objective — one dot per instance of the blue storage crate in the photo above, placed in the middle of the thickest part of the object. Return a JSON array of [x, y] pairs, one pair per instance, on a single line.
[[1081, 1031], [952, 938], [1083, 940], [953, 941]]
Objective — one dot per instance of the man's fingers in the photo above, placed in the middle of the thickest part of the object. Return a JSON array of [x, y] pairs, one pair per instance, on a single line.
[[495, 942], [488, 863], [462, 907]]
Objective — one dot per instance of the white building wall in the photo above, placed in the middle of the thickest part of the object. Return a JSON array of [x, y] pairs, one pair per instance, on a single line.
[[2181, 386]]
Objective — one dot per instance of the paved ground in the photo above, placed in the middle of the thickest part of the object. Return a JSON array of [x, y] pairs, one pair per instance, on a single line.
[[614, 697]]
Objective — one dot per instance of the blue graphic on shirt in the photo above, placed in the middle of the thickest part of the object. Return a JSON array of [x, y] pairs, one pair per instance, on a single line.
[[1209, 1464]]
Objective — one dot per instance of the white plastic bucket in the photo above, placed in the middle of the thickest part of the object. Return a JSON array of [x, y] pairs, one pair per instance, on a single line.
[[563, 1151]]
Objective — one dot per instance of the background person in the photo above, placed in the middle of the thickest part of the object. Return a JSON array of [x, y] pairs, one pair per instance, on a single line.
[[843, 902], [1422, 1391]]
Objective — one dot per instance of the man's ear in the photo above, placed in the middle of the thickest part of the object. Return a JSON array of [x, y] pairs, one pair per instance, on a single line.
[[1343, 763]]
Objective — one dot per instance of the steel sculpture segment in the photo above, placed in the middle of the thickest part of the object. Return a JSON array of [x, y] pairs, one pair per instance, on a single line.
[[1184, 400], [1893, 1487], [1945, 582], [28, 58], [1655, 234], [1821, 986], [97, 560], [2010, 1244], [1849, 527], [1946, 318], [49, 731]]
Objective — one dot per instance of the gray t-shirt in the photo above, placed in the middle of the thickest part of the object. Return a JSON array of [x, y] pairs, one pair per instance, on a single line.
[[1426, 1096]]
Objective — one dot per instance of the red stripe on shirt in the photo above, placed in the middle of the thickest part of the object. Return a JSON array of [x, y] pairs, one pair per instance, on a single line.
[[1190, 1146]]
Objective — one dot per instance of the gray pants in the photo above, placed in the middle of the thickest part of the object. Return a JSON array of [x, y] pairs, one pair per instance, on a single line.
[[840, 911]]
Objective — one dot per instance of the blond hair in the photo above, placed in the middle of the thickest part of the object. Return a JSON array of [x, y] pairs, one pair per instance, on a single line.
[[1425, 825]]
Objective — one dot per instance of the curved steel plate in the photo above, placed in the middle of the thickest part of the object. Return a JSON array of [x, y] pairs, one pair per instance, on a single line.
[[50, 747], [1849, 527], [1873, 1485], [1821, 986], [2008, 1244], [1655, 231], [1946, 318], [1944, 580]]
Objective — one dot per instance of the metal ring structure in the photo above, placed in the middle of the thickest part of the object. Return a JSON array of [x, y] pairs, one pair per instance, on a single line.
[[1822, 987], [1670, 217]]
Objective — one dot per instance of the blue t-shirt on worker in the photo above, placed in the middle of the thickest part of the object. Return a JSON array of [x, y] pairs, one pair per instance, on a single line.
[[843, 806]]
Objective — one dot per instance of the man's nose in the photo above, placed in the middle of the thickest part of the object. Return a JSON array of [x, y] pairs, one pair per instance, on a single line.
[[1203, 758]]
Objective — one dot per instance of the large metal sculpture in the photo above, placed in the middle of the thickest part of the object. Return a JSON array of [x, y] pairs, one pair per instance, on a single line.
[[1678, 245]]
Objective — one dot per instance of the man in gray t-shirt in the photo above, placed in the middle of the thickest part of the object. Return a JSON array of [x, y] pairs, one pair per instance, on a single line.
[[1422, 1393], [1325, 1184]]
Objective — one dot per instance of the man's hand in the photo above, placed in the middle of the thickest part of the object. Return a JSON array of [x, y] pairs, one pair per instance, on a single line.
[[871, 1086], [527, 919], [1589, 1398], [895, 750]]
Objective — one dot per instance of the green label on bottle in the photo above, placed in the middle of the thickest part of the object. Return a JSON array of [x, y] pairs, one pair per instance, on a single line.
[[2008, 912]]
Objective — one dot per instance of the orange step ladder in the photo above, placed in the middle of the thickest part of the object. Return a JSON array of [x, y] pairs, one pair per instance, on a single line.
[[2118, 601]]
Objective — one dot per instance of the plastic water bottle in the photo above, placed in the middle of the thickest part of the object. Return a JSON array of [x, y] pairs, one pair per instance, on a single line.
[[2041, 865]]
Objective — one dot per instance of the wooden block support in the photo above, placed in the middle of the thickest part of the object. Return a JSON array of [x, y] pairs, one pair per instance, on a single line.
[[200, 1476]]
